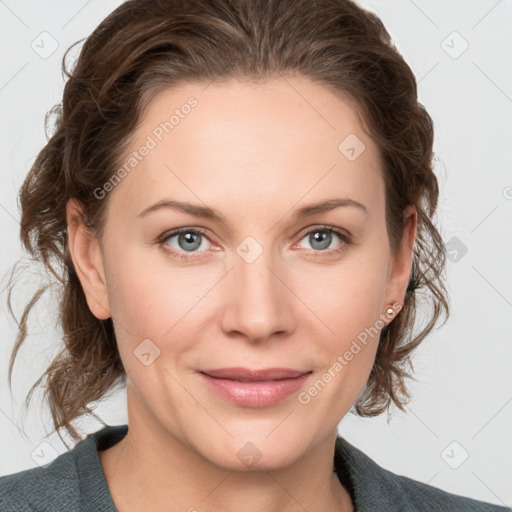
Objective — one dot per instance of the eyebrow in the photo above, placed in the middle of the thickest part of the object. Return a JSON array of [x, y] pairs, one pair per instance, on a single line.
[[206, 212]]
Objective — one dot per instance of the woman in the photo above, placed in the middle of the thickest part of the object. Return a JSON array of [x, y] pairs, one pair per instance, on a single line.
[[284, 142]]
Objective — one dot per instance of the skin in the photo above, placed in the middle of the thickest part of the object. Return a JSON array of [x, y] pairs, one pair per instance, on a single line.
[[254, 153]]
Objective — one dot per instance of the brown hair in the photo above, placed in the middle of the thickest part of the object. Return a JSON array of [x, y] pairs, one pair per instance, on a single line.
[[145, 46]]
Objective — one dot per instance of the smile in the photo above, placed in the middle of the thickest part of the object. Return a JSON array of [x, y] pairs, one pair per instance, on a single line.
[[254, 388]]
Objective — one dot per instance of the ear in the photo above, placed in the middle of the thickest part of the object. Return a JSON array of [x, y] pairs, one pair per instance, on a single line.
[[400, 271], [87, 259]]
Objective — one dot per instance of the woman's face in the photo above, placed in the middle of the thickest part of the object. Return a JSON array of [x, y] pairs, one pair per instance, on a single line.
[[251, 282]]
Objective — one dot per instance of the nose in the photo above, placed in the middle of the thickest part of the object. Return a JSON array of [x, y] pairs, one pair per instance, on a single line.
[[259, 303]]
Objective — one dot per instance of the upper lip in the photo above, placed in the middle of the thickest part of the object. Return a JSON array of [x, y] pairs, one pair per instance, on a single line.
[[248, 375]]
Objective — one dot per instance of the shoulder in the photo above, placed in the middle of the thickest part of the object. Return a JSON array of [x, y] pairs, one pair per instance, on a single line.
[[427, 497], [73, 481], [376, 488], [46, 488]]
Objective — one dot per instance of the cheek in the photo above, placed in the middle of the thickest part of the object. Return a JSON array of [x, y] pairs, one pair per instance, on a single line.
[[348, 313], [346, 299], [155, 301]]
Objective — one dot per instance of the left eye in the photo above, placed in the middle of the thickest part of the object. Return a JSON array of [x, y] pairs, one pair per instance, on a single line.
[[321, 238]]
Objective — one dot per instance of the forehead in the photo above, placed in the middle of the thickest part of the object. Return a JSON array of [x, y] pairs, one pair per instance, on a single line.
[[279, 140]]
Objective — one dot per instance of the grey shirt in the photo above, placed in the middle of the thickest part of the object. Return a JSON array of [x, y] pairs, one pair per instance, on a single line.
[[75, 481]]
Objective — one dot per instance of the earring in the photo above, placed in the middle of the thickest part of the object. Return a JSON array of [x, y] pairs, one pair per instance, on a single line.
[[389, 311]]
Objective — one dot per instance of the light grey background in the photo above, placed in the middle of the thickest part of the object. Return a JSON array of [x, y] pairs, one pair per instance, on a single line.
[[462, 402]]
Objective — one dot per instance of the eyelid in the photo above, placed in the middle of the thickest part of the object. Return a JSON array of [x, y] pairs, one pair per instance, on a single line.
[[325, 227]]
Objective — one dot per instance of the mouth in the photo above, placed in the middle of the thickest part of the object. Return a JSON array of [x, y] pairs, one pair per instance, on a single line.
[[254, 388]]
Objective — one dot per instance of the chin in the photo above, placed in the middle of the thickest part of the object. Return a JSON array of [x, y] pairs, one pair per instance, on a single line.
[[260, 452]]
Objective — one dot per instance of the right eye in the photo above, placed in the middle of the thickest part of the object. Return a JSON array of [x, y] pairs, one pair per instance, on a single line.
[[186, 242]]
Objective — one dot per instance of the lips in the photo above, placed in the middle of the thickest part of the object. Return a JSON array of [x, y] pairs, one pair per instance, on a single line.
[[254, 388], [248, 375]]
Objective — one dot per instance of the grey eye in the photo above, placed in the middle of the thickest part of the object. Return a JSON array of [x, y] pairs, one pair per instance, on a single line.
[[186, 240], [320, 239], [189, 241]]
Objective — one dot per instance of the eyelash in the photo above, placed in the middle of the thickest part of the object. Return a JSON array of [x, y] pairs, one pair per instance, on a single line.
[[322, 228]]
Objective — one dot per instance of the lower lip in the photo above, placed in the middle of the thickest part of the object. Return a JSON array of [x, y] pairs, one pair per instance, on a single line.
[[255, 394]]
